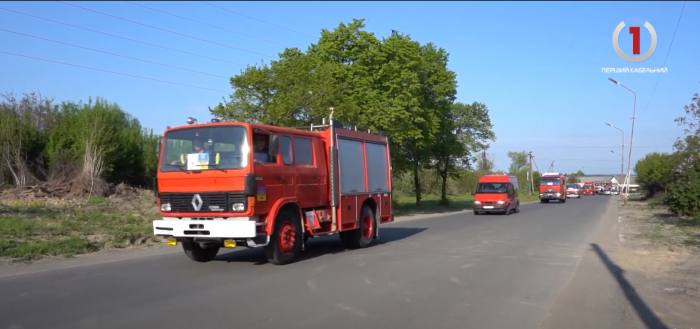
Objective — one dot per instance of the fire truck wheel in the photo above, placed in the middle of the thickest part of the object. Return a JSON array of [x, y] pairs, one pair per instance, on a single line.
[[368, 224], [563, 200], [285, 242], [363, 236], [517, 208], [198, 254]]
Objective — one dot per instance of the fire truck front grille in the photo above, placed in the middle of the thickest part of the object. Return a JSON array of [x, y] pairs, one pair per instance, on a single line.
[[211, 202]]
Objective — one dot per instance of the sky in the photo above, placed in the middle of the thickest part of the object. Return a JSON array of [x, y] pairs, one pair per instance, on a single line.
[[536, 65]]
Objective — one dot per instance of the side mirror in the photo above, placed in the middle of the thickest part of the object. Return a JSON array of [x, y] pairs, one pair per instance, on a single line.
[[473, 193], [158, 149], [274, 145]]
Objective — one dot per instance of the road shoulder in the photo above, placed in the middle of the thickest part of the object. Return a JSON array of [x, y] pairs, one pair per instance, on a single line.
[[659, 252], [593, 298]]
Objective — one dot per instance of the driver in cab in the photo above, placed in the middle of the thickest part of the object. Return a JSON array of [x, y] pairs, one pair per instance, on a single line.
[[197, 147], [261, 152]]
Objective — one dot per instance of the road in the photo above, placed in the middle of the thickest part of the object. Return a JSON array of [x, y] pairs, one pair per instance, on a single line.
[[454, 271]]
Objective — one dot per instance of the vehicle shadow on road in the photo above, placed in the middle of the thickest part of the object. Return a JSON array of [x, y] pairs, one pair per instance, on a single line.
[[320, 246], [646, 314]]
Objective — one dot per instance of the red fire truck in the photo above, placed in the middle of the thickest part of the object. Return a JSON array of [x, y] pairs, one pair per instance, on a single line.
[[598, 187], [226, 184], [588, 188], [553, 187]]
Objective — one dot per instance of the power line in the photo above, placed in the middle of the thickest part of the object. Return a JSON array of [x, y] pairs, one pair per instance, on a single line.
[[113, 54], [124, 38], [113, 72], [593, 135], [665, 59], [203, 23], [161, 29], [578, 147], [256, 19]]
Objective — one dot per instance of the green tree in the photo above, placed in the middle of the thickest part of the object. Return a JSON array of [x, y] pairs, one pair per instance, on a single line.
[[518, 161], [484, 163], [655, 172], [574, 178], [394, 85], [682, 197], [536, 179]]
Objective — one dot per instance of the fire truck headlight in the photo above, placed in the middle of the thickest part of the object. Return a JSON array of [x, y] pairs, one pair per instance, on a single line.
[[477, 202], [501, 202], [237, 207], [165, 207], [558, 194]]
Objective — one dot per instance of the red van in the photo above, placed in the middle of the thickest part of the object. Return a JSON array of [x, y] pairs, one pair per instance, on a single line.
[[497, 193]]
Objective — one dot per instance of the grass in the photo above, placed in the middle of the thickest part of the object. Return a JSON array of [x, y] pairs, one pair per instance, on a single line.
[[36, 230], [666, 229], [406, 205]]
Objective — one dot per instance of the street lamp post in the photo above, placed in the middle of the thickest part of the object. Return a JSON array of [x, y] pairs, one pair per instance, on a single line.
[[622, 160], [629, 157]]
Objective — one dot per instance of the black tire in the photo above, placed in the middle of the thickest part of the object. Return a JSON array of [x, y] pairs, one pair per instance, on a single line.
[[363, 236], [517, 208], [476, 212], [563, 200], [285, 242], [196, 253]]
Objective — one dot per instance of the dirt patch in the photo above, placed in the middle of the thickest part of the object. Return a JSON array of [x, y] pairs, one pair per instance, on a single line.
[[36, 226], [660, 254]]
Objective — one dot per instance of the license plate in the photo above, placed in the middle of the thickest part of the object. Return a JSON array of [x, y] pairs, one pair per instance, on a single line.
[[488, 207]]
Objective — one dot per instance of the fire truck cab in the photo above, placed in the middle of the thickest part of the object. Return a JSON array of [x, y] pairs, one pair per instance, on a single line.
[[553, 187], [588, 188], [228, 184]]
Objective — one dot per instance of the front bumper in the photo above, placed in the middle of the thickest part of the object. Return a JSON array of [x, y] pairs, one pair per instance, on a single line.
[[550, 196], [573, 195], [232, 227], [491, 208], [242, 229]]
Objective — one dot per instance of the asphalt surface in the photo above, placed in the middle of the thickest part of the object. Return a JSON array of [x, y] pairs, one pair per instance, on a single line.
[[454, 271]]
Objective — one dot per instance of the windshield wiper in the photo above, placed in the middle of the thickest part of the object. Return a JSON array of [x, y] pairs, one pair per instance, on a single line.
[[180, 167], [217, 168]]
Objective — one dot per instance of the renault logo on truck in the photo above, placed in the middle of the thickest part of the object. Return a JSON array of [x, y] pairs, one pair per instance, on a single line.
[[197, 202]]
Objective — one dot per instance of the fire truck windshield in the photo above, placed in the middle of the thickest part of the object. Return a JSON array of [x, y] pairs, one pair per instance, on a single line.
[[549, 181], [205, 148]]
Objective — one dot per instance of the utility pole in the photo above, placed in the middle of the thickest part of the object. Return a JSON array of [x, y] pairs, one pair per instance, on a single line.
[[551, 167], [532, 179]]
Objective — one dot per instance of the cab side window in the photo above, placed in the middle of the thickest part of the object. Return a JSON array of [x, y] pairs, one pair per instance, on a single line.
[[286, 150], [510, 189], [303, 151], [261, 152]]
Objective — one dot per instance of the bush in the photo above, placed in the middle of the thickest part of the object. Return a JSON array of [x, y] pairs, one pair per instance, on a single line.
[[75, 147], [655, 172]]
